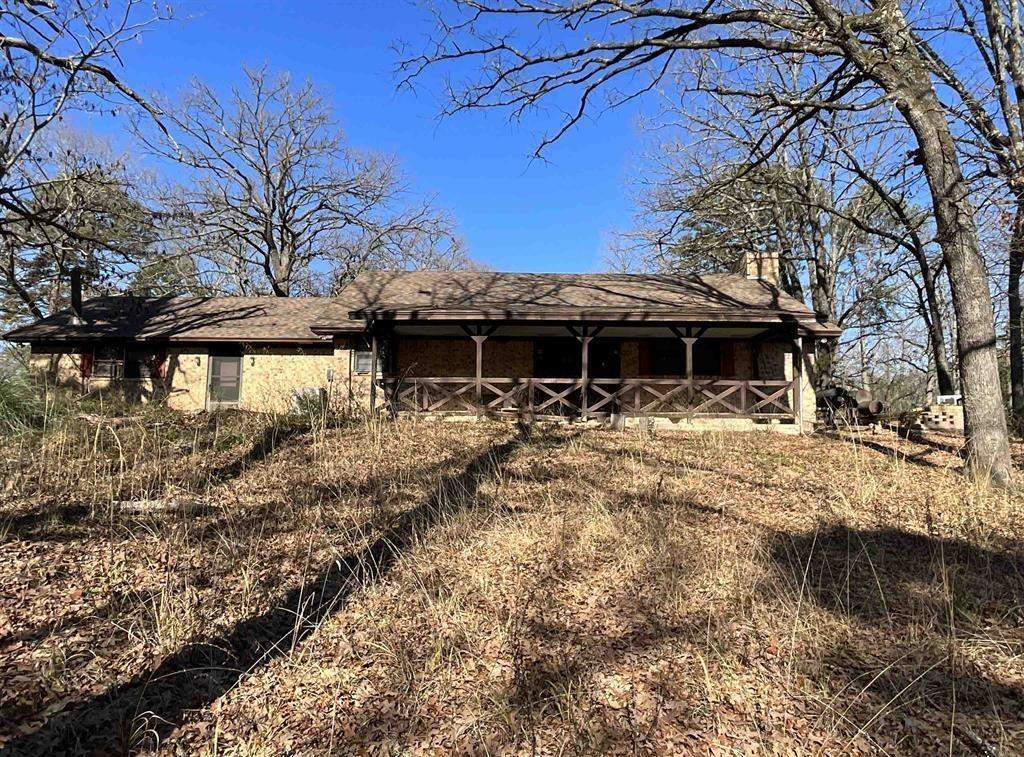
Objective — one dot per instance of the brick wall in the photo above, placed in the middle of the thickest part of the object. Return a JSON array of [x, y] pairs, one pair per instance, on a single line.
[[808, 394], [61, 368], [271, 376], [186, 374], [773, 361], [351, 391], [456, 356]]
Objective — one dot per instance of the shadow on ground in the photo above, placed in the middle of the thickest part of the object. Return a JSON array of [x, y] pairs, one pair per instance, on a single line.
[[894, 450], [71, 521], [143, 711], [911, 595]]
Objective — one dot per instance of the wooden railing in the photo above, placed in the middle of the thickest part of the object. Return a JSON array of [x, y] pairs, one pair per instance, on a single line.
[[539, 397]]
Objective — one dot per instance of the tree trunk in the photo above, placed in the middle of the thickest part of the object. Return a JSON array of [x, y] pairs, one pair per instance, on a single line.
[[937, 339], [823, 301], [906, 79], [824, 362], [1014, 311], [988, 448], [933, 318]]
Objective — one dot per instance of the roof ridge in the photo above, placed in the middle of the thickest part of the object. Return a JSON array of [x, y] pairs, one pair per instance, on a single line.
[[612, 274]]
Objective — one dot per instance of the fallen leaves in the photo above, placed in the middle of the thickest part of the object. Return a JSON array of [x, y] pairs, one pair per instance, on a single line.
[[597, 593]]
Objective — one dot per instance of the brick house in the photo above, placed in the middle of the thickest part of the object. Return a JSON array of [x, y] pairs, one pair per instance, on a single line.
[[729, 350]]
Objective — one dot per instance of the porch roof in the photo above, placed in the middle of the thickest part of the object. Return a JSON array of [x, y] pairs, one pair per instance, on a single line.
[[478, 296]]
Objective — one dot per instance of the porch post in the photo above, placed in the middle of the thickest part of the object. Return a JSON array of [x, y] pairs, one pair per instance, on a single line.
[[688, 339], [585, 335], [373, 372], [585, 342], [479, 335], [798, 382], [479, 339]]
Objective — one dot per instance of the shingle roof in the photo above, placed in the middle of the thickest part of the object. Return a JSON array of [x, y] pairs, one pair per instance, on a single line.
[[405, 295], [248, 319], [486, 295]]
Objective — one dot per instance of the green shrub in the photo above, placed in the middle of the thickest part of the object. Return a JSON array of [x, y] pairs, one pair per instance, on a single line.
[[22, 405]]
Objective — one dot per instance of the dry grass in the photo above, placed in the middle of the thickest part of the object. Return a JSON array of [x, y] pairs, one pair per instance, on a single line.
[[459, 587]]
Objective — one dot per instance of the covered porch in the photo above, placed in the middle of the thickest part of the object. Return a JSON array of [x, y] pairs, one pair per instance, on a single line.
[[751, 371]]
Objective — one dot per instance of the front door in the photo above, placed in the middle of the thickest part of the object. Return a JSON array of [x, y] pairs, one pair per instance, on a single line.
[[225, 380]]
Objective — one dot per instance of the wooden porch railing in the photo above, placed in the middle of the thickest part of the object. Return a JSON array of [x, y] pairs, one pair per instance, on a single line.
[[565, 397]]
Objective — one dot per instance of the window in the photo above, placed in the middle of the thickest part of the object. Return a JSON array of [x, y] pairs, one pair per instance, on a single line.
[[108, 362], [707, 358], [364, 356], [117, 362], [668, 358]]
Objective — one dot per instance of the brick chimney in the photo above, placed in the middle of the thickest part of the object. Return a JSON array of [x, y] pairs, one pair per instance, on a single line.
[[763, 266]]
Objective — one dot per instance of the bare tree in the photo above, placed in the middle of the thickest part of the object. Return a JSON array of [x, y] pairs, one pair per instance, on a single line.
[[278, 202], [985, 82], [58, 57], [866, 55], [85, 212]]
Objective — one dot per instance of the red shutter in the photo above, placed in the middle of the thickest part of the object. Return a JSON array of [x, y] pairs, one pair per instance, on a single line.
[[728, 359], [159, 367], [644, 357]]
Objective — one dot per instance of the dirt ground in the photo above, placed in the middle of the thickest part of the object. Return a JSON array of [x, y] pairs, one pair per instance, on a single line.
[[231, 585]]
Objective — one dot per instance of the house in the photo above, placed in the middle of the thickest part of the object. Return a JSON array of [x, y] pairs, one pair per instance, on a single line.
[[729, 350]]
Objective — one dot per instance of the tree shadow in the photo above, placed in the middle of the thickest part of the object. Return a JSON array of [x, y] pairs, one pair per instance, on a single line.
[[273, 436], [147, 708], [917, 458], [73, 521], [911, 597], [56, 524], [954, 445]]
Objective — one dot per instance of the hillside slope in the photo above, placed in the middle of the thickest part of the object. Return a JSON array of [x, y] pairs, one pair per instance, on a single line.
[[423, 588]]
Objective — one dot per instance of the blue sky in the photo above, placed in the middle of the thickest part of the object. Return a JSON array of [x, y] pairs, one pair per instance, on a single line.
[[514, 213]]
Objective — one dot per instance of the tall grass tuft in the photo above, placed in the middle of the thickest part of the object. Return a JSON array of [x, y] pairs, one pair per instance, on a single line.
[[22, 406]]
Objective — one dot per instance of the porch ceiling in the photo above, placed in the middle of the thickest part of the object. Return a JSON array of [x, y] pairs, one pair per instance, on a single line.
[[550, 330]]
